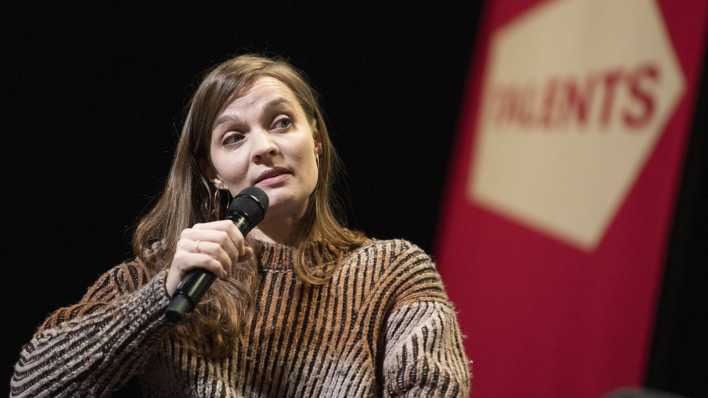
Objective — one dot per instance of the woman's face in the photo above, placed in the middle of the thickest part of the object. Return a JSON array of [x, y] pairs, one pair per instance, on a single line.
[[264, 139]]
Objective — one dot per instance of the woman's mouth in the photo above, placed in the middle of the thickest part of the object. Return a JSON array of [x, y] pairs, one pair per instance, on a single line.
[[274, 180]]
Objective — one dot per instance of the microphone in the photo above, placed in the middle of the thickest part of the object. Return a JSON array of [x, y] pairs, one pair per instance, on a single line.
[[246, 210]]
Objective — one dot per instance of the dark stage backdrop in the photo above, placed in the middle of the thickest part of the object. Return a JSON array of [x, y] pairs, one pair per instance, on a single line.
[[95, 98]]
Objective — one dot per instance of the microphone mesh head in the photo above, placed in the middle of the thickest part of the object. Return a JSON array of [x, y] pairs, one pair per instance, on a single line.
[[252, 202]]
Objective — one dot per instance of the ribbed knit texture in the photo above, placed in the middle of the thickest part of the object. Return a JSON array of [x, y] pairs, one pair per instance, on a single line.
[[382, 326]]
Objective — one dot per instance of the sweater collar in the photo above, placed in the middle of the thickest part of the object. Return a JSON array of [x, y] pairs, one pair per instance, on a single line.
[[272, 255]]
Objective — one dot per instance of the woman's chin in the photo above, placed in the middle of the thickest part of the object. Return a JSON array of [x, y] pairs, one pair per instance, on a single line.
[[285, 205]]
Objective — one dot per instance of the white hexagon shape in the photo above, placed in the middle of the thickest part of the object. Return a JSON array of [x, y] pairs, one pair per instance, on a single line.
[[575, 97]]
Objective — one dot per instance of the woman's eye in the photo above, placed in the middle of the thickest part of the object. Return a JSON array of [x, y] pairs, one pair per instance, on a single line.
[[233, 138], [283, 123]]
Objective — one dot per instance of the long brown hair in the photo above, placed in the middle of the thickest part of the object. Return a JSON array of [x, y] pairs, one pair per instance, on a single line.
[[188, 198]]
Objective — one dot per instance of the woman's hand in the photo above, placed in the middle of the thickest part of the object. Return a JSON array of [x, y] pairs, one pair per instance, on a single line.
[[214, 246]]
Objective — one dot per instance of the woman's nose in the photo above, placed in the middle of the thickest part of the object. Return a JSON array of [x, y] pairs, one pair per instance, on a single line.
[[263, 146]]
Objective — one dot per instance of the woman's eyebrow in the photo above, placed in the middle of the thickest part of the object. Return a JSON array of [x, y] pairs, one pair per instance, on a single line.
[[269, 106], [275, 103]]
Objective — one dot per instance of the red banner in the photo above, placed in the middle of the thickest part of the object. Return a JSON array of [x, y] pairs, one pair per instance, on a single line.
[[561, 192]]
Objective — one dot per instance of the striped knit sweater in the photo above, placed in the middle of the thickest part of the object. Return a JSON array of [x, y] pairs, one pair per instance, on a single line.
[[382, 326]]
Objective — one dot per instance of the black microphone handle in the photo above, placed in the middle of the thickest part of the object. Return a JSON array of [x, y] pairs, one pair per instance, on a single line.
[[193, 286]]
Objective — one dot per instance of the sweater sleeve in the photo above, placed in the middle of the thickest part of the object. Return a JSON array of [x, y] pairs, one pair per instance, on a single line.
[[95, 346], [424, 353]]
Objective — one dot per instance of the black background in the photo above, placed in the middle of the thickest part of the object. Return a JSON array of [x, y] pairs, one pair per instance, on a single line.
[[96, 98]]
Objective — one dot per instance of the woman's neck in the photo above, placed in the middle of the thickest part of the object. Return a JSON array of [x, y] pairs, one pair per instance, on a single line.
[[272, 235], [275, 229], [281, 226]]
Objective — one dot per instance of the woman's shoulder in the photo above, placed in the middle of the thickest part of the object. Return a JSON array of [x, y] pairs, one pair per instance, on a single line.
[[391, 254], [131, 273], [397, 268], [125, 277]]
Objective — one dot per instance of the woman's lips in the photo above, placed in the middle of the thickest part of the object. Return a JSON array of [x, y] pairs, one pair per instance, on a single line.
[[275, 180]]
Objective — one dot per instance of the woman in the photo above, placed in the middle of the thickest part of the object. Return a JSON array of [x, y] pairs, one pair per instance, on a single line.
[[302, 307]]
